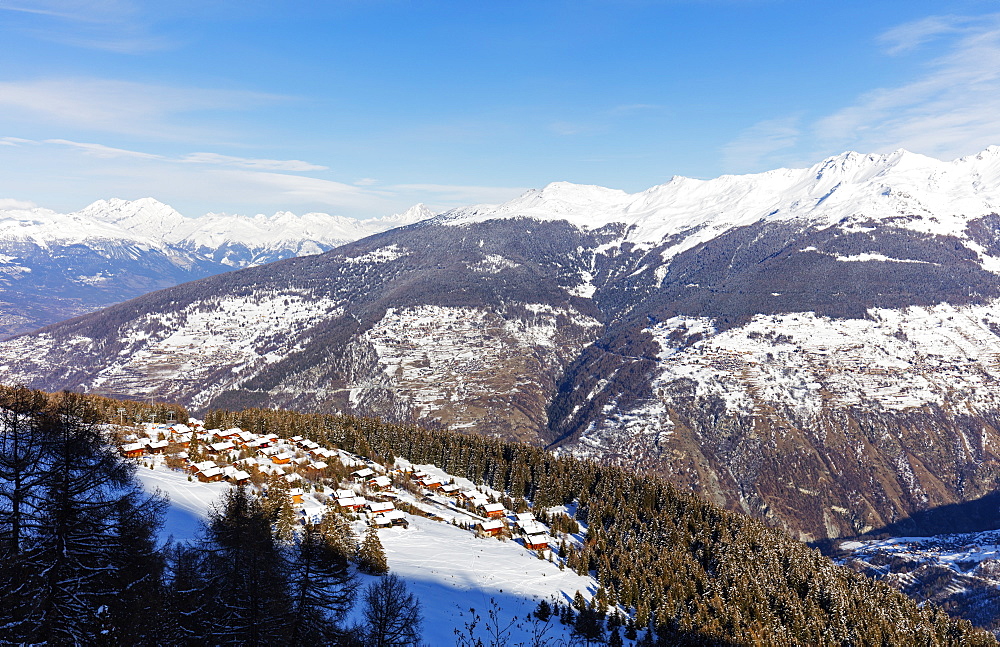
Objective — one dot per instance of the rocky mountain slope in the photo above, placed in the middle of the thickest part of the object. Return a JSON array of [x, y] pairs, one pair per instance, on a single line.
[[55, 266], [817, 347]]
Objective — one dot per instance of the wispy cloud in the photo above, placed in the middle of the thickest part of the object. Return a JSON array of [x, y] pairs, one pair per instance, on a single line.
[[911, 35], [251, 163], [100, 150], [120, 106], [11, 203], [952, 108], [121, 26], [212, 181]]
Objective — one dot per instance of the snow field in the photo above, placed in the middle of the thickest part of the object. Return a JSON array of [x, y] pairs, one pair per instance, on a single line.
[[450, 570]]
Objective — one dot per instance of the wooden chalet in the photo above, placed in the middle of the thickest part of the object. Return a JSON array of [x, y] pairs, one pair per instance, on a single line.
[[450, 489], [391, 518], [202, 466], [210, 475], [532, 527], [379, 507], [297, 494], [223, 446], [537, 542], [490, 528], [492, 510], [380, 483], [133, 450], [283, 458], [158, 446], [363, 474], [235, 475], [352, 503]]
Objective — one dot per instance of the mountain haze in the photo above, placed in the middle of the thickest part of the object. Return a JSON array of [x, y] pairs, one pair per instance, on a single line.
[[817, 347], [55, 266]]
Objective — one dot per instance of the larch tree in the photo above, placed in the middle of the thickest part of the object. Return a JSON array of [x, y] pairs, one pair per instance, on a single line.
[[392, 614]]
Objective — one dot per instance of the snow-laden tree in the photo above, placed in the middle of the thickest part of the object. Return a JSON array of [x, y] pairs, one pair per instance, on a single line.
[[371, 555]]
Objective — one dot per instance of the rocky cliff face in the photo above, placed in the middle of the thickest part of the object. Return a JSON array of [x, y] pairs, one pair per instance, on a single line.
[[817, 347]]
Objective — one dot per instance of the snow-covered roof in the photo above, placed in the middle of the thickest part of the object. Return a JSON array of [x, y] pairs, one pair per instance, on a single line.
[[495, 524], [133, 447], [364, 473], [381, 481], [221, 447], [381, 506], [492, 507], [204, 465], [533, 528]]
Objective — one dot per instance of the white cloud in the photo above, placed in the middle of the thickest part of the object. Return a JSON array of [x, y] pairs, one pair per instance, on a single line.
[[119, 106], [950, 109], [251, 163], [911, 35], [72, 174], [11, 203], [121, 26], [100, 150]]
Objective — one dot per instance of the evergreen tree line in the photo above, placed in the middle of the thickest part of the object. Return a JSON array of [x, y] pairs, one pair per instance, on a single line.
[[81, 564], [692, 572]]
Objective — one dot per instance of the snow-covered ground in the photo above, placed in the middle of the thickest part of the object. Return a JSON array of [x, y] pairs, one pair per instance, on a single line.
[[449, 569]]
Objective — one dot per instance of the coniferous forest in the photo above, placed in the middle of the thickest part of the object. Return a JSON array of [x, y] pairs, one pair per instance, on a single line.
[[82, 564]]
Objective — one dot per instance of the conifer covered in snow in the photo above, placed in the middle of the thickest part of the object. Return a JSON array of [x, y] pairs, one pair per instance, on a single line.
[[371, 554]]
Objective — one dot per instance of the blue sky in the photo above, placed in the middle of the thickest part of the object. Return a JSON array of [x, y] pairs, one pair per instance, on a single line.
[[364, 107]]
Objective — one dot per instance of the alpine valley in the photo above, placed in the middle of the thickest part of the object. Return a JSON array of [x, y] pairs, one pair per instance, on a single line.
[[816, 347]]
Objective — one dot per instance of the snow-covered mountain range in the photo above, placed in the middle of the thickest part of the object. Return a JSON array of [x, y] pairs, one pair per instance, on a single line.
[[55, 266], [818, 347]]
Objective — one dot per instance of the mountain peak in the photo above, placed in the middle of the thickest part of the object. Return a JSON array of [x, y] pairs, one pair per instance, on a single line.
[[145, 217]]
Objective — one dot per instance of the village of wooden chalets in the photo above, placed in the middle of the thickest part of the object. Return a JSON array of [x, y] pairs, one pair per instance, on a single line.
[[314, 479]]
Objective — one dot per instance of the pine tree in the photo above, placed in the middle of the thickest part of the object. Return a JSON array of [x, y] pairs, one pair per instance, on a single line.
[[279, 505], [71, 564], [23, 473], [322, 589], [246, 566], [338, 534], [371, 555]]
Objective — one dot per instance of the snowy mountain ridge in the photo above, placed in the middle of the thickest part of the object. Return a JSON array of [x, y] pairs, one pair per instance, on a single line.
[[850, 185], [55, 266]]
